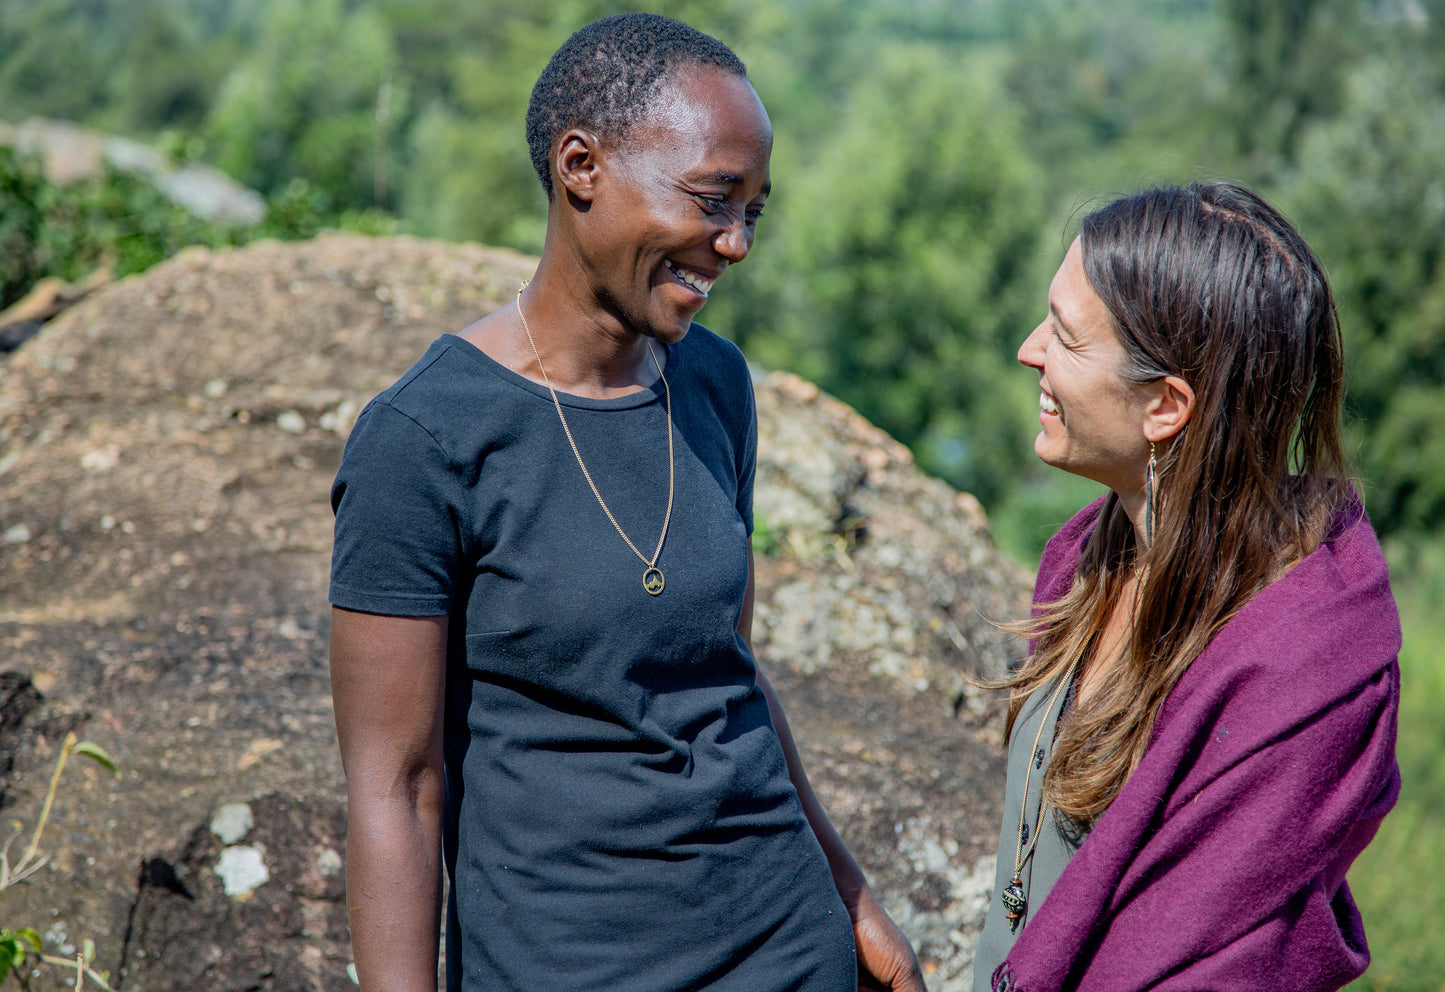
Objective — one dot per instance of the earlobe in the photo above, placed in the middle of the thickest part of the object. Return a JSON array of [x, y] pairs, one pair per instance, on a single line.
[[576, 163], [1169, 410]]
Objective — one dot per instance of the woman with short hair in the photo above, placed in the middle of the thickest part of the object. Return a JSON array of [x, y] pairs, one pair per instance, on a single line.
[[1202, 738], [542, 587]]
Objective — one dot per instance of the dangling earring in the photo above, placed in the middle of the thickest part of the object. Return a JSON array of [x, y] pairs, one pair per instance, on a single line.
[[1151, 497]]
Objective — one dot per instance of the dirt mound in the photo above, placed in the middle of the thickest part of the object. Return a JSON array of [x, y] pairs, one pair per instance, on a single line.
[[166, 448]]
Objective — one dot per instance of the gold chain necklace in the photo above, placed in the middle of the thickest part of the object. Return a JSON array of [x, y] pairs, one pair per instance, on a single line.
[[1014, 899], [652, 578]]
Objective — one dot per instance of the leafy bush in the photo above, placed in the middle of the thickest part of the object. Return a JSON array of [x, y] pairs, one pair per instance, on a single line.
[[116, 221], [124, 224]]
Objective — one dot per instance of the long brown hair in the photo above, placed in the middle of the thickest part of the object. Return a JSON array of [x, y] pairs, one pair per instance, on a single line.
[[1210, 284]]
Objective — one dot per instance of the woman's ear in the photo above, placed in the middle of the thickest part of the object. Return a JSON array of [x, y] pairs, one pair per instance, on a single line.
[[576, 163], [1169, 409]]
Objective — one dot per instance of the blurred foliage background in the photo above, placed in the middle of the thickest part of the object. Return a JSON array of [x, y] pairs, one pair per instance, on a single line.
[[930, 158]]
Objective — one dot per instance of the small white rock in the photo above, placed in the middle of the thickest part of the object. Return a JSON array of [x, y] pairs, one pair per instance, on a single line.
[[328, 862], [17, 534], [341, 419], [241, 870], [215, 389], [232, 822], [101, 459], [291, 422], [58, 934]]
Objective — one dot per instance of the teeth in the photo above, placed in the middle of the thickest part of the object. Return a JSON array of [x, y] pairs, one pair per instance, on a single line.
[[1047, 404], [697, 282]]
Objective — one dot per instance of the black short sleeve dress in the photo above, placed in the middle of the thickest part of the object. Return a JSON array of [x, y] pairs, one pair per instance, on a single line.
[[619, 813]]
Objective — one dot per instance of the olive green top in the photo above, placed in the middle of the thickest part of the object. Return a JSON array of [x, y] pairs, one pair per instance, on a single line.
[[1055, 846]]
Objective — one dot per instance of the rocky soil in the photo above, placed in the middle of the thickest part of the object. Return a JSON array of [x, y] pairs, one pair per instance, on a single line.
[[166, 447]]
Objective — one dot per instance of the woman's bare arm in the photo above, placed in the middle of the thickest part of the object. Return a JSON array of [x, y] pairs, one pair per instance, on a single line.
[[387, 682]]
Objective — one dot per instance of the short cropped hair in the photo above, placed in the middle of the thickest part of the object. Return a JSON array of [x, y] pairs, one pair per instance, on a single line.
[[606, 76]]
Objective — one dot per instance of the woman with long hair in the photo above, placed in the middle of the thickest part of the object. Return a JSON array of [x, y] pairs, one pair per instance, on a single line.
[[1201, 739]]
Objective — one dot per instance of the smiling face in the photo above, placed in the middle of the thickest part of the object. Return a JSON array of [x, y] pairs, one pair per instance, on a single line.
[[1092, 418], [676, 202]]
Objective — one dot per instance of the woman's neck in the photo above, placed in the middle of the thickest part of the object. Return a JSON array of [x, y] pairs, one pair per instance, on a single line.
[[584, 348], [1111, 644]]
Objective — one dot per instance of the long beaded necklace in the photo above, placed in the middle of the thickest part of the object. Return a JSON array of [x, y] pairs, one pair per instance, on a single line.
[[652, 578], [1015, 900]]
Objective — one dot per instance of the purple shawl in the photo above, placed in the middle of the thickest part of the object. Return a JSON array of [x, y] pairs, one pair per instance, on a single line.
[[1221, 863]]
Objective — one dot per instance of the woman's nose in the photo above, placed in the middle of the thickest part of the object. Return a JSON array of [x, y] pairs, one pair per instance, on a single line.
[[1031, 352], [734, 241]]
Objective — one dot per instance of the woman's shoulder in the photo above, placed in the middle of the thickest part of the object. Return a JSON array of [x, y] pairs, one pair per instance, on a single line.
[[448, 365], [1061, 553], [711, 356], [714, 372], [1343, 582], [439, 395], [1320, 634]]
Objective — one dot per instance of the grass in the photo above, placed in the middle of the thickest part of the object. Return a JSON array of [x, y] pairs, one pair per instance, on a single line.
[[1395, 880]]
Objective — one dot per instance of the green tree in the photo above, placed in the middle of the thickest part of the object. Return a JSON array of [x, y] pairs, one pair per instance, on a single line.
[[903, 263], [310, 99], [1115, 97], [166, 75], [21, 220], [1367, 192], [54, 57], [469, 175], [1289, 62]]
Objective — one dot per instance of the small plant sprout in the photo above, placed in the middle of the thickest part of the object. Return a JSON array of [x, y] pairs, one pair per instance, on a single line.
[[21, 943]]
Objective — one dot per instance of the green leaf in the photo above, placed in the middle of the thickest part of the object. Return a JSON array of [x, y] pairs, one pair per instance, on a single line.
[[96, 753], [13, 948]]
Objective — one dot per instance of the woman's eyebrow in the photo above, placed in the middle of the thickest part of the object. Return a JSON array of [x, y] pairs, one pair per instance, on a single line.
[[725, 178]]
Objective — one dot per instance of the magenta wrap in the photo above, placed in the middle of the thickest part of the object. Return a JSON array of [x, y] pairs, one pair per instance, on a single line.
[[1221, 863]]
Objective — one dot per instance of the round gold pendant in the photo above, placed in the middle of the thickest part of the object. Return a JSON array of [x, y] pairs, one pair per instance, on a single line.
[[653, 581]]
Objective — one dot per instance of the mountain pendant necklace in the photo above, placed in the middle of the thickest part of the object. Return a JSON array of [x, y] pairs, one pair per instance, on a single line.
[[652, 578]]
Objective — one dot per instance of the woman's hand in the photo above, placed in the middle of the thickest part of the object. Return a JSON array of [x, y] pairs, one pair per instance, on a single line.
[[885, 957], [886, 960]]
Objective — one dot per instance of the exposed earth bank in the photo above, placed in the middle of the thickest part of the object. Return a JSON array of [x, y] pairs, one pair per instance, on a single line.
[[166, 448]]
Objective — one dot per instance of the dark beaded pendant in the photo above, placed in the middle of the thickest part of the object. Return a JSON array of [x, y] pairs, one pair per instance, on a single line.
[[1015, 902]]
